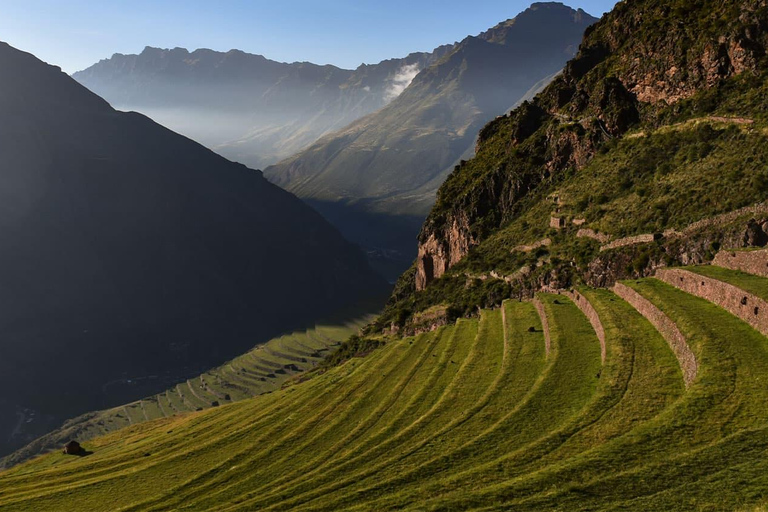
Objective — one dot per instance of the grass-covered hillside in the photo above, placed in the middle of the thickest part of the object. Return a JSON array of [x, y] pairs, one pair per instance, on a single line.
[[261, 370], [376, 178], [513, 410]]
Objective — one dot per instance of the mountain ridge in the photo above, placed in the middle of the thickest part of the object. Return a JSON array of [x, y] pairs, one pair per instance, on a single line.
[[260, 110]]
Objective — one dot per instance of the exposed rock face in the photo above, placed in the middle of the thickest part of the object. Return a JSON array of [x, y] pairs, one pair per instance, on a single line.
[[651, 66], [435, 256], [755, 236]]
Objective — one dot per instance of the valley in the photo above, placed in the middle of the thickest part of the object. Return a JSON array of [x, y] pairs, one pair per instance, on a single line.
[[581, 324]]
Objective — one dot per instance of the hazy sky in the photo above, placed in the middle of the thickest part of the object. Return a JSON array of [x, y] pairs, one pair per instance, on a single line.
[[74, 34]]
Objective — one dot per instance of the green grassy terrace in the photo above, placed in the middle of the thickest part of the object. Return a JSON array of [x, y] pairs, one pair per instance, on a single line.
[[472, 416], [264, 369]]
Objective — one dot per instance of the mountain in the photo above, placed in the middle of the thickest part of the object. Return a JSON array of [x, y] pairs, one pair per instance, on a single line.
[[131, 253], [585, 327], [244, 106], [385, 168], [647, 151]]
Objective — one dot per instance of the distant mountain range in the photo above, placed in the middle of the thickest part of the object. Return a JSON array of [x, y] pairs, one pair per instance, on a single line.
[[368, 148], [244, 106], [131, 253]]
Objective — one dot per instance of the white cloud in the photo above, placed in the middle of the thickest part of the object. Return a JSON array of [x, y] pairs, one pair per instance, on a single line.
[[401, 81]]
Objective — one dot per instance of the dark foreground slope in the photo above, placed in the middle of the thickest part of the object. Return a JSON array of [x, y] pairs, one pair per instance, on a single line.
[[385, 168], [129, 251]]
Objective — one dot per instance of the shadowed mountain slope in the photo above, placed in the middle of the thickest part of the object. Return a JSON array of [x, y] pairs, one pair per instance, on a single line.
[[128, 251], [264, 369]]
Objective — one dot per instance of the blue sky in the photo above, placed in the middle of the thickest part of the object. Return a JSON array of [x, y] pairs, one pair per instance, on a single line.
[[74, 34]]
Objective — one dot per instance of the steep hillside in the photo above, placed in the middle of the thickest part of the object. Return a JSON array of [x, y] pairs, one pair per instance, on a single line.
[[647, 397], [246, 107], [658, 123], [385, 168], [130, 251]]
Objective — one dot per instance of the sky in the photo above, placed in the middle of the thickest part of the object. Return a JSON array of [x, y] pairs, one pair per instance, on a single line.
[[75, 34]]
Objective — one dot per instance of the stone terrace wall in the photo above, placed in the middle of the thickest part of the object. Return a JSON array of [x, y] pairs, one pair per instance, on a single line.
[[717, 220], [725, 218], [591, 233], [736, 301], [544, 324], [586, 307], [752, 262], [630, 240], [535, 245], [666, 327]]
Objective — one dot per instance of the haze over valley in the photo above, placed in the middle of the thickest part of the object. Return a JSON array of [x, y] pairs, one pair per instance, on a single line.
[[367, 148]]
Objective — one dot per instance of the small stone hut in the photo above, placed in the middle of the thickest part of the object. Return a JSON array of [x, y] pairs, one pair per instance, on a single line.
[[72, 448]]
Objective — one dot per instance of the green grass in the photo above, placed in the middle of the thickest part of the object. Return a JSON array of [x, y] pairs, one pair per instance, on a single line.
[[261, 370], [470, 416]]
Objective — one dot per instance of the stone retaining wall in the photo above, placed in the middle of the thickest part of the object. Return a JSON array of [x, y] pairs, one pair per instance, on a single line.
[[591, 233], [717, 220], [535, 245], [666, 327], [544, 324], [750, 308], [630, 240], [725, 218], [589, 311], [752, 262]]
